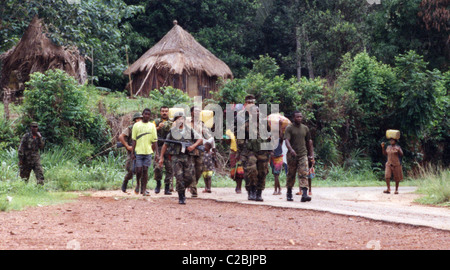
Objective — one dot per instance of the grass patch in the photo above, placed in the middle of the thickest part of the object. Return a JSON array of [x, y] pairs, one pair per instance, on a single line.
[[17, 195], [434, 183]]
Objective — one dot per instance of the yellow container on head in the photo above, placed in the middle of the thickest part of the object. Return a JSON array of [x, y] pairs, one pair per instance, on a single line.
[[207, 118], [172, 112], [392, 134]]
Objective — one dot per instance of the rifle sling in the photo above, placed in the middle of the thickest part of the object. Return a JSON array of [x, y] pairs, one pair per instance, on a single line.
[[140, 135]]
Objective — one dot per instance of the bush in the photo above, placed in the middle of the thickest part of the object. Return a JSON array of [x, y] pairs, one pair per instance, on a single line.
[[59, 105], [169, 96], [8, 137]]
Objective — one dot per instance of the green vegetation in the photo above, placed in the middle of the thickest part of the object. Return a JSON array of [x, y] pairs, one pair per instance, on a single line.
[[60, 106], [16, 195], [434, 183], [353, 69]]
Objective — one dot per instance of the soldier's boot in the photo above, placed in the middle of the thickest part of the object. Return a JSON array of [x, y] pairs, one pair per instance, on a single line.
[[194, 193], [181, 197], [305, 197], [258, 197], [289, 194], [207, 185], [252, 193], [167, 190], [124, 185], [158, 186]]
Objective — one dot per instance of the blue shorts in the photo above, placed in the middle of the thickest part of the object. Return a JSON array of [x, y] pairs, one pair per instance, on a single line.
[[143, 161]]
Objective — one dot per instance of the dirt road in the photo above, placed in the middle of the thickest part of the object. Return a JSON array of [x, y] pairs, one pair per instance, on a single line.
[[336, 219]]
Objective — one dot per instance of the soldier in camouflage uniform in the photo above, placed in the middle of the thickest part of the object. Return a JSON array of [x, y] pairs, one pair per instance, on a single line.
[[163, 126], [182, 163], [29, 157], [201, 129], [126, 140], [254, 160], [300, 152]]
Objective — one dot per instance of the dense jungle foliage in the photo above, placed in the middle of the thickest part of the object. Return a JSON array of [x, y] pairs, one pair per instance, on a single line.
[[354, 69]]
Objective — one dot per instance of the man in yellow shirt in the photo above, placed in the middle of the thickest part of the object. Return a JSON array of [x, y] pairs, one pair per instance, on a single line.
[[144, 143]]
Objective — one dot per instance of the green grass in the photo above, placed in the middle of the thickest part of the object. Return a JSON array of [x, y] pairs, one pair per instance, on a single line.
[[434, 184], [118, 103], [17, 195]]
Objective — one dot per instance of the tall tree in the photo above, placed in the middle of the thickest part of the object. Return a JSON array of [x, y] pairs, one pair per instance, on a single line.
[[222, 26], [402, 25]]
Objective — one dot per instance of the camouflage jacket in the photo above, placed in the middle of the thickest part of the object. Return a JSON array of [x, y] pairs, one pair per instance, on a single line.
[[29, 147], [175, 148], [246, 144], [162, 132]]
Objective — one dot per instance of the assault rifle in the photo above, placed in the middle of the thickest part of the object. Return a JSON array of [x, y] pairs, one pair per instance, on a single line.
[[119, 144], [184, 145]]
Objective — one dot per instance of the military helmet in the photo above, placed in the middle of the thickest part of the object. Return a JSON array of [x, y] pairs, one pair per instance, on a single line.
[[34, 124], [137, 115]]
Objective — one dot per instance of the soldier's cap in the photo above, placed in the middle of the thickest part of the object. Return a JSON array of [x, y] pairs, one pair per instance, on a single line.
[[34, 124], [137, 115]]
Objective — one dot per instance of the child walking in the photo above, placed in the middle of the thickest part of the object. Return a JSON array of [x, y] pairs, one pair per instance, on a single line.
[[209, 165], [393, 166]]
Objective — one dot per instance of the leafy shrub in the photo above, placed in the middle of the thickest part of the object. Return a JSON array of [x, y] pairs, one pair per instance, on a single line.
[[8, 137], [169, 96], [59, 104]]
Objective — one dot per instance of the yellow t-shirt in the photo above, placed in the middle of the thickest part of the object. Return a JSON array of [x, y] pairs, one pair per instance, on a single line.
[[144, 134]]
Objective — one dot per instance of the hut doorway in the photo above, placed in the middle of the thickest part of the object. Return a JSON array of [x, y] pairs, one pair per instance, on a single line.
[[192, 86]]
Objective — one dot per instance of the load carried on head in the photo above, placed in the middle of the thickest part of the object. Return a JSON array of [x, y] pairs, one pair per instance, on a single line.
[[392, 134]]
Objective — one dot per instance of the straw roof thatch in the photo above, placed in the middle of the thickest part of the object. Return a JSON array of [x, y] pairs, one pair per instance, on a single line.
[[36, 52], [178, 51]]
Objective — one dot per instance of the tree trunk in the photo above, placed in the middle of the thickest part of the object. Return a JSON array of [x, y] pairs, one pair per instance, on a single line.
[[6, 95], [298, 53], [308, 55]]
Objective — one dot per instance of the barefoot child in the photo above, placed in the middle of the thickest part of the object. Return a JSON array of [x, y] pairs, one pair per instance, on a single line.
[[393, 166], [276, 163], [209, 164]]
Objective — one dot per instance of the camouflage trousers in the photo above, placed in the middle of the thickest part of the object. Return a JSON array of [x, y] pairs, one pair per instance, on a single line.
[[297, 165], [198, 170], [256, 168], [129, 168], [168, 169], [183, 170], [33, 165]]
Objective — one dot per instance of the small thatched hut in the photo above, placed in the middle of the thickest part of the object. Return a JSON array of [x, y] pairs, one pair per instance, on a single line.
[[36, 52], [177, 60]]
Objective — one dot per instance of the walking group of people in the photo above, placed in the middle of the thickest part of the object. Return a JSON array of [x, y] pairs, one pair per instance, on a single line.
[[182, 150], [186, 151], [255, 161]]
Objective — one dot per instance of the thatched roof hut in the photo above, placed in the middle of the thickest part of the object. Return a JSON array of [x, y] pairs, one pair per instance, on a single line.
[[36, 52], [177, 60]]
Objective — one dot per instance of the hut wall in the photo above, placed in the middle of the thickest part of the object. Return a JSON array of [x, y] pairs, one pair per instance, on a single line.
[[160, 78]]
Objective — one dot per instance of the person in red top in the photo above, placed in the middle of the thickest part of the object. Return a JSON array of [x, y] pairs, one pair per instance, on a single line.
[[393, 166]]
